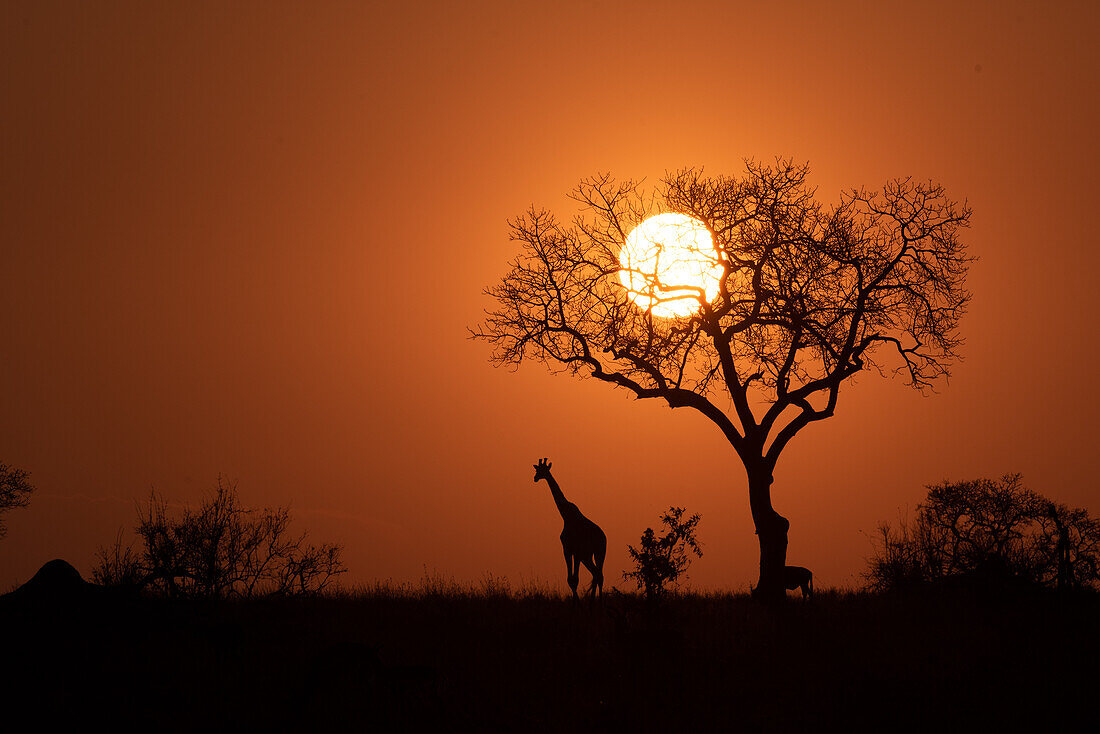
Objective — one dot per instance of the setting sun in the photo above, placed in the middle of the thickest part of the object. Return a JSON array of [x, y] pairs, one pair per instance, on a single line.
[[666, 261]]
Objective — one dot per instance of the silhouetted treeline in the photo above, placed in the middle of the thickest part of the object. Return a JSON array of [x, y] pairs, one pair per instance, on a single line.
[[220, 549], [989, 532]]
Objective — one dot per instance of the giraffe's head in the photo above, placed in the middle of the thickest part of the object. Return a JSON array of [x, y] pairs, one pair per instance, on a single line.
[[542, 470]]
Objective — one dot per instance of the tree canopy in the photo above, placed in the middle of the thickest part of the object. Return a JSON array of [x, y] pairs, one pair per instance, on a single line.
[[809, 295]]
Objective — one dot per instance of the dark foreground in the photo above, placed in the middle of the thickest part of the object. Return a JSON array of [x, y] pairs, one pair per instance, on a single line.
[[452, 662]]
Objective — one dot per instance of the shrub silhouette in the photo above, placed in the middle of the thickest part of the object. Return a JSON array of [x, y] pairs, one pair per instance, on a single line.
[[988, 531], [219, 550], [14, 491], [661, 561]]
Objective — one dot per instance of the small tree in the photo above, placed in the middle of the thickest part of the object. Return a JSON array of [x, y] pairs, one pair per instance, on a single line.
[[988, 530], [661, 561], [14, 492], [219, 550], [1067, 548]]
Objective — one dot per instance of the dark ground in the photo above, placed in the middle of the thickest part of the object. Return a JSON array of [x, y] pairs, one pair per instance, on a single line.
[[445, 661]]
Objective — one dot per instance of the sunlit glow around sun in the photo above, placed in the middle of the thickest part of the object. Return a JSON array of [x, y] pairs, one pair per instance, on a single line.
[[665, 261]]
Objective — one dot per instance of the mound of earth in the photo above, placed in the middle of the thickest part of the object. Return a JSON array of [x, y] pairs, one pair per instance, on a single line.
[[56, 580]]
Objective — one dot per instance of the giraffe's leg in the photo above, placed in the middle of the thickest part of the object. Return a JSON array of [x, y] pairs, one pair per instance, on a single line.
[[597, 577], [568, 565], [572, 570], [598, 574]]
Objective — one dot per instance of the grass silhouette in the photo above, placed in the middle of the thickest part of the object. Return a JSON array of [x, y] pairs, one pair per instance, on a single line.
[[491, 657]]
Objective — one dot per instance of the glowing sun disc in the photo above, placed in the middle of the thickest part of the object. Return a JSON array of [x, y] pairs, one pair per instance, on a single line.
[[665, 262]]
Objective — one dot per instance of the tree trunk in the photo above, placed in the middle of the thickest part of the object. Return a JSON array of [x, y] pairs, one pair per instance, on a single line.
[[771, 530]]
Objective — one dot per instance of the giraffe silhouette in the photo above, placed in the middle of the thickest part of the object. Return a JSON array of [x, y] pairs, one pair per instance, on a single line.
[[581, 539]]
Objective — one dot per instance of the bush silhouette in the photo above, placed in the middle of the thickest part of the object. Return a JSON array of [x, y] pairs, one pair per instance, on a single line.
[[989, 532], [14, 491], [219, 550], [661, 561]]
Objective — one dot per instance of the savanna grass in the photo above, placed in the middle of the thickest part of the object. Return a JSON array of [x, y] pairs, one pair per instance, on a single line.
[[493, 656]]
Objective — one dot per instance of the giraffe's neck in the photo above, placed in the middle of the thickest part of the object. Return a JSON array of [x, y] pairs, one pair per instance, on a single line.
[[559, 498]]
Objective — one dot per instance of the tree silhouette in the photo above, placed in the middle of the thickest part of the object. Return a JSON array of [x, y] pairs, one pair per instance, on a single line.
[[989, 532], [15, 492], [809, 295], [219, 550]]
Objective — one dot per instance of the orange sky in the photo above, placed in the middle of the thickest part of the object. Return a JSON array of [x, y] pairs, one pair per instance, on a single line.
[[248, 241]]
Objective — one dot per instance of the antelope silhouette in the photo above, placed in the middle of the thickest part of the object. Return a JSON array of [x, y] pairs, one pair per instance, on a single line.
[[795, 577]]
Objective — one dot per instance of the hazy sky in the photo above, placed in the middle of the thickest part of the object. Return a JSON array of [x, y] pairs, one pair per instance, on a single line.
[[247, 239]]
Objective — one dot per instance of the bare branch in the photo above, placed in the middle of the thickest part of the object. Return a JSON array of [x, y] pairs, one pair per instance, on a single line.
[[809, 295]]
